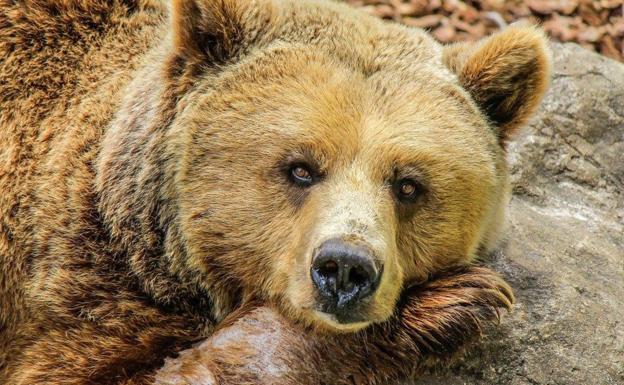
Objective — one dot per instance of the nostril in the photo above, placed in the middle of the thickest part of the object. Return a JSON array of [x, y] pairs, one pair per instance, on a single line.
[[329, 268], [325, 275], [358, 276]]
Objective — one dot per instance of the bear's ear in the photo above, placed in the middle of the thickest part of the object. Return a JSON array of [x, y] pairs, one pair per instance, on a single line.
[[216, 30], [507, 74]]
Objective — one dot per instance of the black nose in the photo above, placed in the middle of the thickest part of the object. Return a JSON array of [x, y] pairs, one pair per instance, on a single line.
[[344, 274]]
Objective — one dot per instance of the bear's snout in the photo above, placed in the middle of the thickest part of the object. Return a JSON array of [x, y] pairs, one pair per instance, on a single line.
[[344, 275]]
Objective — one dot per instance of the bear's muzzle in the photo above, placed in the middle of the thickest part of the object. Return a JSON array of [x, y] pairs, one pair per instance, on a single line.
[[344, 275]]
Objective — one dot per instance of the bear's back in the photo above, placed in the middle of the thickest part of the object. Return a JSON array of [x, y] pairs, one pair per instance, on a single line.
[[62, 67]]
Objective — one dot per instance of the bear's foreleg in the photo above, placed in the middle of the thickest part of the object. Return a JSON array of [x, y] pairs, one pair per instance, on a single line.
[[262, 347]]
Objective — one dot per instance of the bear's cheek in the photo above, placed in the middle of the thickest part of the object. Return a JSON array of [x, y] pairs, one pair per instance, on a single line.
[[448, 228], [291, 283]]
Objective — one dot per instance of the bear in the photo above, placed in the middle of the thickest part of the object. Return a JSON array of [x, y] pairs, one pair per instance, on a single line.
[[166, 166]]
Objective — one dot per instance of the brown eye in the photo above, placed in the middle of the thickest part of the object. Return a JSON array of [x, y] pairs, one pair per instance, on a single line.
[[301, 175], [408, 190]]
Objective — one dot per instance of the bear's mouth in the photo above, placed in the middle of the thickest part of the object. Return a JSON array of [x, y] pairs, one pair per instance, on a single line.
[[342, 315], [349, 318], [345, 321]]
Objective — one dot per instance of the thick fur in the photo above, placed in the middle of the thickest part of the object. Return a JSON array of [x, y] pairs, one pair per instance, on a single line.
[[142, 197]]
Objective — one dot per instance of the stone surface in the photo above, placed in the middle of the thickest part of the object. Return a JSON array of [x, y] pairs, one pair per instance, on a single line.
[[564, 255]]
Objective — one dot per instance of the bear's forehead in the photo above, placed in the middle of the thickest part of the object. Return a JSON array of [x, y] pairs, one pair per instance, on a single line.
[[382, 90], [311, 95], [349, 33], [337, 114]]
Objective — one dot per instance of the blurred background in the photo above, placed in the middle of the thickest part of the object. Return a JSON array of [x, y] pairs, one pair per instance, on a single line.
[[595, 24]]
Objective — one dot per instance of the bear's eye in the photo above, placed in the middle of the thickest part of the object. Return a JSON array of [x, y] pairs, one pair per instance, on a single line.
[[301, 175], [408, 190]]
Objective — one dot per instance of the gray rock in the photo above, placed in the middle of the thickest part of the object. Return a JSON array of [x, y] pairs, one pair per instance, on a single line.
[[564, 254]]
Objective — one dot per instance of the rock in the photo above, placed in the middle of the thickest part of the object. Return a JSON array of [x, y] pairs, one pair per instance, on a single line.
[[565, 250]]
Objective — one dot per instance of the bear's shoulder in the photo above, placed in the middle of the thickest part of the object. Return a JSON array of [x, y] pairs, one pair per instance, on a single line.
[[45, 43]]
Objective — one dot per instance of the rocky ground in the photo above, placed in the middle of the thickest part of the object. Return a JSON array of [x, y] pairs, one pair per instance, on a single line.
[[565, 250], [595, 24]]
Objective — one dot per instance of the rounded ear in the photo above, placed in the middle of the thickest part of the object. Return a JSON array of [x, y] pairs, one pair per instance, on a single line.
[[507, 74], [214, 31]]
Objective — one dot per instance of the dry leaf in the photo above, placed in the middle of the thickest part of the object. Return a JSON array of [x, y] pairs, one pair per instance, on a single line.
[[547, 7]]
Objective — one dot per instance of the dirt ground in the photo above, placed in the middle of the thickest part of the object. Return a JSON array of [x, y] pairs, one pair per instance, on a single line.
[[594, 24]]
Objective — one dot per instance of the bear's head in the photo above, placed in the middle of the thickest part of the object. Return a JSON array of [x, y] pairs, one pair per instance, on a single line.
[[325, 160]]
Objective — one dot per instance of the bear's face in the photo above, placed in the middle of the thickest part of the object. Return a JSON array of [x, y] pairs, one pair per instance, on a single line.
[[329, 181]]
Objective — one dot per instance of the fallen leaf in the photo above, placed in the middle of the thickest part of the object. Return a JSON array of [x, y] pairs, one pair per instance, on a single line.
[[428, 21], [444, 33], [547, 7]]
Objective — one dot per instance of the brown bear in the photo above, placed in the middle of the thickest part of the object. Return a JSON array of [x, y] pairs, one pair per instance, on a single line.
[[164, 167]]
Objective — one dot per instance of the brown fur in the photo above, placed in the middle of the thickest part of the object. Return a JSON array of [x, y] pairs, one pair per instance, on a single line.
[[500, 75], [141, 194]]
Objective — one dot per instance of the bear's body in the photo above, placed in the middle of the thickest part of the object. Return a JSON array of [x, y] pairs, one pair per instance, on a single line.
[[128, 233], [63, 71]]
